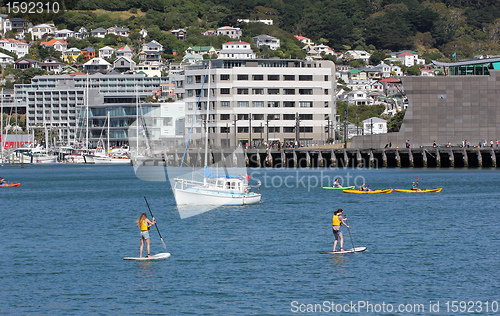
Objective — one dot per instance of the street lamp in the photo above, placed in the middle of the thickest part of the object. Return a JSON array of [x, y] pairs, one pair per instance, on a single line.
[[261, 140]]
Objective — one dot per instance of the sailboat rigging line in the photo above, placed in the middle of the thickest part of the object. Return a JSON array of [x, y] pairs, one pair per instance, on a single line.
[[192, 123]]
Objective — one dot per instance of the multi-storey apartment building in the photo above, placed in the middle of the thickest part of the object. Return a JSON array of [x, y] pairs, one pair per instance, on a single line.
[[260, 101], [67, 102]]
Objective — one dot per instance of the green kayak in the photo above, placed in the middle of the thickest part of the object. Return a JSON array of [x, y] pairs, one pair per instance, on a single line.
[[342, 188]]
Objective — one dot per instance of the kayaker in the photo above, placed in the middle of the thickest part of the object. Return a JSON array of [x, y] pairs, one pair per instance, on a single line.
[[414, 186], [364, 187], [2, 181], [337, 184], [337, 221], [144, 223]]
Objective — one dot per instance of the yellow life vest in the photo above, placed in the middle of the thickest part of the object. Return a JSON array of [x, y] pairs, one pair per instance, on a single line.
[[336, 221], [144, 227]]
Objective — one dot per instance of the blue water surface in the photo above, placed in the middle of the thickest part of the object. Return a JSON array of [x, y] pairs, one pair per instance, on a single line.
[[67, 228]]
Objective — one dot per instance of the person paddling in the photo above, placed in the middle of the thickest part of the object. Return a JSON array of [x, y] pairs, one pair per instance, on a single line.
[[337, 221], [414, 186], [144, 223], [337, 184], [364, 187]]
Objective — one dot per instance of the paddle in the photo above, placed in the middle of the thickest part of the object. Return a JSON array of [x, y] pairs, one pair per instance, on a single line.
[[161, 238], [345, 219]]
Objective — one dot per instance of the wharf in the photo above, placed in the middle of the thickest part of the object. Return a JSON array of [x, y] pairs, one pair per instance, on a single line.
[[316, 157]]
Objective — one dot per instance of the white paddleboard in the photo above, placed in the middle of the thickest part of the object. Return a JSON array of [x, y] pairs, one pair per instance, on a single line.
[[163, 255], [357, 249]]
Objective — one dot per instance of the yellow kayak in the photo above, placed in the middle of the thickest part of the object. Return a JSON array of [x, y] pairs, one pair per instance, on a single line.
[[419, 191], [371, 192]]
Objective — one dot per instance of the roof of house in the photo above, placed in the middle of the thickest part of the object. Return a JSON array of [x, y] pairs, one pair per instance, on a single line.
[[236, 43], [200, 48], [18, 20], [299, 37], [125, 49], [42, 25], [264, 36], [2, 55], [89, 50], [11, 40], [97, 61], [107, 48], [64, 31], [99, 30], [375, 119], [32, 61], [53, 41]]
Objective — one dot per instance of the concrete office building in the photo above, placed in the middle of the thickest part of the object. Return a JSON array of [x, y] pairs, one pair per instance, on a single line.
[[258, 101], [60, 103], [463, 105]]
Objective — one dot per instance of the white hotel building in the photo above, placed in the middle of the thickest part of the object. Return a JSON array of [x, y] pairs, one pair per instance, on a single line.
[[256, 101]]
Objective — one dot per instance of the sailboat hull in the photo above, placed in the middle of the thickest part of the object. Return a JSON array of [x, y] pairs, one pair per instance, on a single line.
[[193, 196]]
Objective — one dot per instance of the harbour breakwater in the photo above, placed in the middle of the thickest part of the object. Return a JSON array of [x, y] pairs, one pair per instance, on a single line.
[[431, 157]]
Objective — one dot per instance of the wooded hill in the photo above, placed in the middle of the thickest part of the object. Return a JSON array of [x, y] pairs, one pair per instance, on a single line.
[[432, 28]]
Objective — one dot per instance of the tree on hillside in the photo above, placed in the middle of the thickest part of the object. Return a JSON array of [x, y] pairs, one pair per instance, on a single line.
[[394, 125]]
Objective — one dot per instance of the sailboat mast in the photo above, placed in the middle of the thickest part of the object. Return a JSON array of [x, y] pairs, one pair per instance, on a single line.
[[136, 123], [208, 111], [87, 115], [108, 136], [1, 128]]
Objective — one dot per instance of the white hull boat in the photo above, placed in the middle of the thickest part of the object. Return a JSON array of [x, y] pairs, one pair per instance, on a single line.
[[111, 160], [196, 193]]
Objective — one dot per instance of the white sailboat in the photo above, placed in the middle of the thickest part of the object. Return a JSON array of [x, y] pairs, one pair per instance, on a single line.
[[111, 157], [213, 189]]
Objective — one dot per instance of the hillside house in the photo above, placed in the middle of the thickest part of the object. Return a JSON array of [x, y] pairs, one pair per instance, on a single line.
[[304, 40], [200, 50], [99, 32], [236, 50], [88, 53], [232, 32], [57, 44], [106, 52], [180, 34], [63, 34], [427, 72], [16, 24], [38, 31], [408, 58], [26, 63], [266, 22], [356, 54], [266, 40], [374, 125], [70, 55], [20, 48], [119, 31], [125, 51], [51, 65], [6, 60], [96, 65], [123, 64]]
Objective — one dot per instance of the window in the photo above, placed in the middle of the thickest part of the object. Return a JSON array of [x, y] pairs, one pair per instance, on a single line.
[[288, 129], [306, 129], [225, 117], [257, 116], [242, 91], [305, 91], [190, 93], [258, 77], [242, 104], [289, 104], [225, 130], [289, 77], [258, 91], [288, 117], [288, 91], [225, 104], [257, 104], [273, 117], [258, 129], [326, 104], [242, 129], [225, 91], [273, 77], [242, 77], [326, 91], [273, 91], [326, 77], [274, 129], [305, 77], [306, 117], [224, 77], [198, 79], [273, 104], [305, 104]]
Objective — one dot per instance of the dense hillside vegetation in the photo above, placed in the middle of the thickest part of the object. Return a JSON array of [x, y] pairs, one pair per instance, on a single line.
[[433, 27]]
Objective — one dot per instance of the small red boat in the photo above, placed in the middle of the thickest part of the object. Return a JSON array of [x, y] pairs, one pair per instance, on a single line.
[[11, 185]]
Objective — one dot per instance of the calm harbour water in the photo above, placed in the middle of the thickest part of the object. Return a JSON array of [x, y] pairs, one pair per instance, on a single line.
[[68, 227]]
